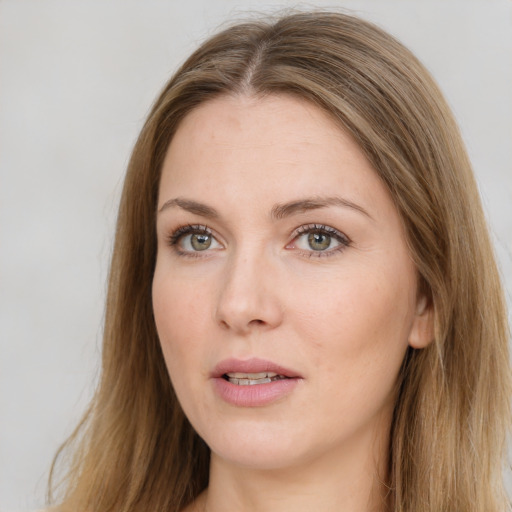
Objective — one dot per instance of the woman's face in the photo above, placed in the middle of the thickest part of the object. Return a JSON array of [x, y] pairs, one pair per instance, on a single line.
[[284, 294]]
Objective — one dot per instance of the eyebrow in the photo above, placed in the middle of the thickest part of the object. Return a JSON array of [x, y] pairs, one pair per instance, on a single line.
[[278, 211], [190, 206]]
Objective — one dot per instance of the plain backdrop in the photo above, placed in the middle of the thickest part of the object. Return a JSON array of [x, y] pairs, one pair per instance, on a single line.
[[76, 81]]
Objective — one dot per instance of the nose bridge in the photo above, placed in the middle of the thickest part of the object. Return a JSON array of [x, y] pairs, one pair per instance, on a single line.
[[247, 298]]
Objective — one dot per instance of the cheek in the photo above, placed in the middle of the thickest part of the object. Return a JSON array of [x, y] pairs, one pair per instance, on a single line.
[[360, 334], [180, 317]]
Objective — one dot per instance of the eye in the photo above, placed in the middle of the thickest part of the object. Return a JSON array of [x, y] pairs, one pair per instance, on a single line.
[[319, 240], [193, 239]]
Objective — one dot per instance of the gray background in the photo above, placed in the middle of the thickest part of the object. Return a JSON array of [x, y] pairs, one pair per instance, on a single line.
[[76, 80]]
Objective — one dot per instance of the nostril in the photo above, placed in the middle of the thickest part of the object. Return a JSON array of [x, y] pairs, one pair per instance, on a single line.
[[257, 322], [242, 311]]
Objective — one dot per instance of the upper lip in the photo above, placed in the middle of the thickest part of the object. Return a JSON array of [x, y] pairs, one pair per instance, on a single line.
[[253, 365]]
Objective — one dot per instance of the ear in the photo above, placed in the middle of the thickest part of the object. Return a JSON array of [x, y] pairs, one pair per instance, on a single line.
[[422, 329]]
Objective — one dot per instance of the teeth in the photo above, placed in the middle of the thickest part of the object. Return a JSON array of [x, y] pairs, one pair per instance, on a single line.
[[261, 375], [249, 382], [250, 379]]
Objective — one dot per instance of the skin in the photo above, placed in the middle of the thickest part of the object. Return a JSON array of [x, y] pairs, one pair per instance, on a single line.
[[341, 318]]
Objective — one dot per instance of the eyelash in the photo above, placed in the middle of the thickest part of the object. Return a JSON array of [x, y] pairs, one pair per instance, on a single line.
[[189, 229], [197, 229], [343, 240]]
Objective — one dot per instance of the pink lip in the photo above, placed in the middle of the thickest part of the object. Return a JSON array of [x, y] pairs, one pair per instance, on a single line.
[[253, 365], [256, 395]]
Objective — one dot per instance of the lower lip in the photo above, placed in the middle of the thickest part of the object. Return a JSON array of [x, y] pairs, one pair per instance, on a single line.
[[256, 395]]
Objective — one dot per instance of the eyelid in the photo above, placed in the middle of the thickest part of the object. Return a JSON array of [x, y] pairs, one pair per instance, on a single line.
[[344, 240], [187, 229], [174, 238], [308, 228], [177, 234]]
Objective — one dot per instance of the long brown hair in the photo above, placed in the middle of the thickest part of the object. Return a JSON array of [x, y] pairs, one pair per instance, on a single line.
[[135, 450]]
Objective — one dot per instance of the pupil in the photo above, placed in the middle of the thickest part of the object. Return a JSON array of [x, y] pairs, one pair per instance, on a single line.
[[319, 241], [200, 242]]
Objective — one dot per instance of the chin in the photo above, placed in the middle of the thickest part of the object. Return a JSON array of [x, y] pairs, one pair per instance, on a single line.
[[255, 447], [267, 459]]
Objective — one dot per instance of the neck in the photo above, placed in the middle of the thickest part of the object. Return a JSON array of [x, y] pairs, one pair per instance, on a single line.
[[346, 479]]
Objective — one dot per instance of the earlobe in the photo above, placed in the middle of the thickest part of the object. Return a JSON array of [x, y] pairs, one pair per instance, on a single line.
[[422, 329]]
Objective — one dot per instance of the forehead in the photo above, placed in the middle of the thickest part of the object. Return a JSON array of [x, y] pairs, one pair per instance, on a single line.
[[274, 148], [247, 114]]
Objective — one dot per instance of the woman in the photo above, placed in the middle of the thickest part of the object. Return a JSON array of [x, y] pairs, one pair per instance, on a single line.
[[304, 309]]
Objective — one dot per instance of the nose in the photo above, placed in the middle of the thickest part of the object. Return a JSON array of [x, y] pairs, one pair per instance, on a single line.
[[248, 298]]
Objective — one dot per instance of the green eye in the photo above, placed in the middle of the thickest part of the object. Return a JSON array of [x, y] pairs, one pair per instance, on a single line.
[[194, 238], [319, 241], [200, 241]]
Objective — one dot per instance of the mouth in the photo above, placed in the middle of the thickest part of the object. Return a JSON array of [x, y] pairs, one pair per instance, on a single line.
[[253, 382], [247, 372], [252, 379]]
